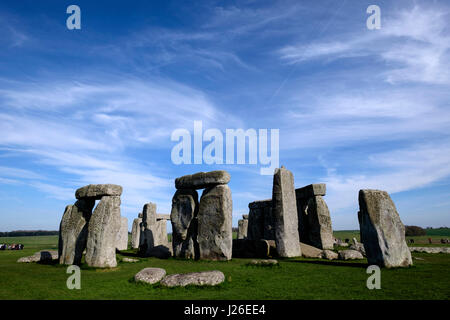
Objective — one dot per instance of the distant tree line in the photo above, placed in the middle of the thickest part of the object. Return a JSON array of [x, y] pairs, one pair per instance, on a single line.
[[411, 231], [25, 233]]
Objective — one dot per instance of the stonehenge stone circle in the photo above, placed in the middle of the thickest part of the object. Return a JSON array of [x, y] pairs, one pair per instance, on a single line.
[[202, 180], [183, 217], [215, 236], [284, 209], [314, 222], [102, 233], [136, 233], [122, 235], [204, 278], [150, 275], [73, 231], [382, 231]]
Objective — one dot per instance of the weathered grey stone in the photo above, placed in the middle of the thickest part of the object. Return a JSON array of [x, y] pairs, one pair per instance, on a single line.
[[150, 275], [161, 216], [329, 255], [314, 217], [156, 242], [261, 223], [382, 231], [122, 235], [245, 216], [355, 241], [202, 180], [102, 232], [73, 231], [149, 215], [312, 190], [215, 236], [246, 248], [183, 217], [358, 247], [136, 233], [97, 191], [350, 255], [310, 251], [284, 209], [140, 215], [264, 262], [40, 256], [430, 249], [242, 229], [205, 278]]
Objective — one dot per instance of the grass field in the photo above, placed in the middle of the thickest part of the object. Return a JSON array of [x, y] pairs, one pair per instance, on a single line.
[[293, 279]]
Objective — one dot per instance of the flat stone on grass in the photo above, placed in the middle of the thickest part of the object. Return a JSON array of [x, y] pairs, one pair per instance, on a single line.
[[204, 278], [150, 275]]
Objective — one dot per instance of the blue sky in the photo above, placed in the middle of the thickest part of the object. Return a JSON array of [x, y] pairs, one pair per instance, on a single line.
[[356, 108]]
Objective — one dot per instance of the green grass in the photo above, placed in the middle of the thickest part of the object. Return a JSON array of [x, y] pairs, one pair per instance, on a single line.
[[419, 241], [293, 279]]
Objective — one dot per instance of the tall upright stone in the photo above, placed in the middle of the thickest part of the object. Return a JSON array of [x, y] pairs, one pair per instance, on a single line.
[[122, 235], [153, 233], [73, 231], [136, 233], [242, 229], [382, 231], [285, 214], [215, 236], [314, 217], [102, 233], [183, 217]]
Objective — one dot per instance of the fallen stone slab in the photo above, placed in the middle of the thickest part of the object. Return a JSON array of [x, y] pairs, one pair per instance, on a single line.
[[430, 249], [97, 191], [40, 256], [150, 275], [350, 255], [129, 260], [202, 180], [358, 247], [264, 262], [310, 251], [329, 255], [204, 278]]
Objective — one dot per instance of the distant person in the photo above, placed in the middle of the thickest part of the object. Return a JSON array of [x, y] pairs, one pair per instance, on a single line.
[[347, 240], [411, 241], [430, 241]]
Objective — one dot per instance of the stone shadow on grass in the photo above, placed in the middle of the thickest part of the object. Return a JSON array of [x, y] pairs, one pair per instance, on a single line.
[[333, 263]]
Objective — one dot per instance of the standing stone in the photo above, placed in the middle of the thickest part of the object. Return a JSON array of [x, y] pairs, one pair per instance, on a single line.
[[135, 233], [242, 229], [184, 224], [122, 235], [285, 214], [215, 236], [154, 241], [73, 231], [382, 231], [314, 217], [261, 224], [102, 232]]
